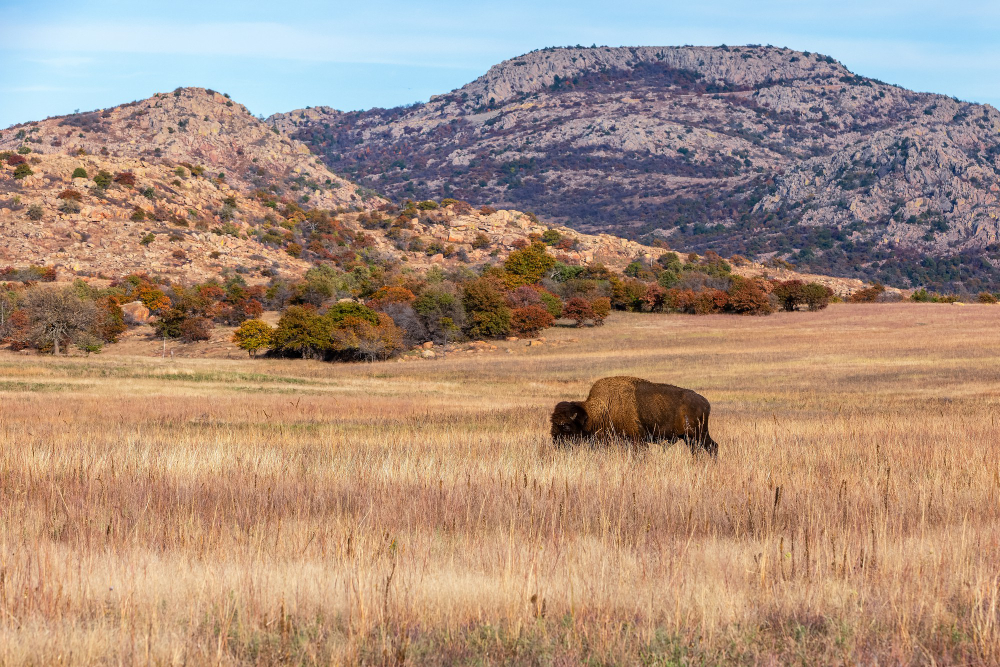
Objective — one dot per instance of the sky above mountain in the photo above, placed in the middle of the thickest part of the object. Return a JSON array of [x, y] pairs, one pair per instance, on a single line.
[[60, 56]]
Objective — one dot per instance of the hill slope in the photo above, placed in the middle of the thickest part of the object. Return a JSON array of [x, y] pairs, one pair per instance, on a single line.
[[755, 150], [206, 177]]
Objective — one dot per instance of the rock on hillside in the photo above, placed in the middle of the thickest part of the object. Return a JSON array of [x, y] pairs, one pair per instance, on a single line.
[[754, 150], [204, 175]]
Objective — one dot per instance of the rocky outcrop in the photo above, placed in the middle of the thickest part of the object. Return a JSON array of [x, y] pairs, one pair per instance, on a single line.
[[754, 150]]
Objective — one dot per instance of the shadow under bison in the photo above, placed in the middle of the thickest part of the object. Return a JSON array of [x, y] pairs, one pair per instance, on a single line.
[[636, 410]]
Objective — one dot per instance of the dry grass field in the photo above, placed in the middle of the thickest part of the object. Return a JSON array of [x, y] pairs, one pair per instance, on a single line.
[[213, 511]]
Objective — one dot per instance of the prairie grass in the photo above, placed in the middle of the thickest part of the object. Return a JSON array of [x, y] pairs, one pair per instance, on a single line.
[[230, 512]]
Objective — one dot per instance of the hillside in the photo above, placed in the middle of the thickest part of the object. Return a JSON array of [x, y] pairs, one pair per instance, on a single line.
[[209, 182], [754, 150], [165, 207]]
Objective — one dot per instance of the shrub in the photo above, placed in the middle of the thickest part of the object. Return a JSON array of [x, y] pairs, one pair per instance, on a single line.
[[79, 172], [868, 294], [487, 210], [14, 160], [69, 193], [70, 206], [601, 308], [148, 238], [22, 171], [790, 293], [817, 297], [35, 212], [551, 303], [359, 337], [109, 322], [486, 309], [428, 205], [391, 294], [527, 266], [138, 215], [529, 320], [986, 297], [480, 241], [551, 237], [579, 310], [294, 249], [195, 328], [253, 336], [103, 179], [749, 297], [126, 178], [439, 312], [302, 333], [710, 301], [338, 313]]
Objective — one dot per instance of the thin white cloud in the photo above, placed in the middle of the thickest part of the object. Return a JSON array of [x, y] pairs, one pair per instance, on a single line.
[[63, 62], [321, 43]]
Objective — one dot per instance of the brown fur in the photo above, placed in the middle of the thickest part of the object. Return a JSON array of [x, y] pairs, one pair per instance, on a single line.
[[637, 410]]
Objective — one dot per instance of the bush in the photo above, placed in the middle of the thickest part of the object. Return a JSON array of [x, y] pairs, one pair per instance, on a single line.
[[986, 297], [817, 297], [527, 266], [359, 337], [480, 241], [69, 193], [391, 294], [22, 171], [195, 328], [69, 206], [338, 313], [601, 308], [109, 323], [301, 333], [126, 178], [579, 310], [551, 237], [79, 172], [749, 297], [868, 294], [710, 301], [103, 179], [486, 309], [790, 293], [253, 336], [439, 311], [35, 212], [529, 320]]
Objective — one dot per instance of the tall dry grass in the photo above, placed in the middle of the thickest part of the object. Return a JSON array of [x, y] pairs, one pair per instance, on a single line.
[[223, 512]]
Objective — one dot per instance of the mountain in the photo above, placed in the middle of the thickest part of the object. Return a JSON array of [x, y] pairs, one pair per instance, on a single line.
[[197, 187], [754, 150]]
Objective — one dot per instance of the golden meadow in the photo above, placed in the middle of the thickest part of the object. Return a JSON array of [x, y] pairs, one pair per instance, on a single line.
[[214, 511]]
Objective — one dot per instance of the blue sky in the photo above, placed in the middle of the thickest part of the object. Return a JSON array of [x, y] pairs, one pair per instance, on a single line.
[[58, 56]]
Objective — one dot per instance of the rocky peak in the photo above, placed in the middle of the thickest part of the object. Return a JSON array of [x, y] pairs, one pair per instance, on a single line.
[[738, 66]]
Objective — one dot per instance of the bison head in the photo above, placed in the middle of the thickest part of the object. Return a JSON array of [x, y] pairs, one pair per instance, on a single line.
[[569, 420]]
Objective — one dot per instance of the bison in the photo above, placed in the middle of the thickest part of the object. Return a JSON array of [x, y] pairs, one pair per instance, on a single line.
[[637, 410]]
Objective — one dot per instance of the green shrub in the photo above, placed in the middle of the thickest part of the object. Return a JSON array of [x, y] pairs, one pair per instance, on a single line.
[[103, 179], [35, 212], [486, 309], [79, 172], [22, 171]]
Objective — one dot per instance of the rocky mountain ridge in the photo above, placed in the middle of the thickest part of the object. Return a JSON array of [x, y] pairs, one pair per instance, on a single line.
[[754, 150], [189, 186]]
